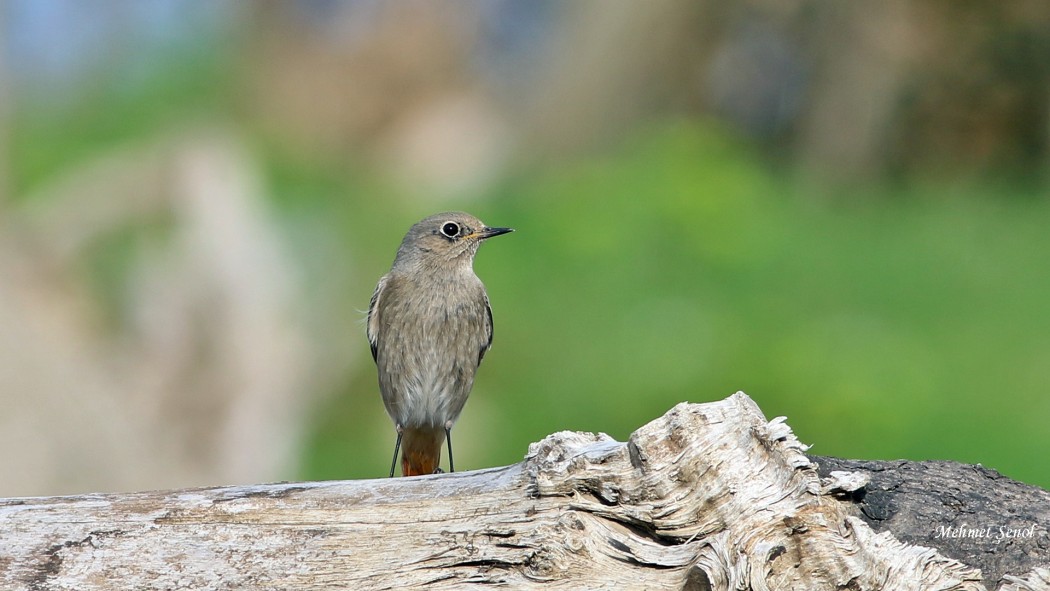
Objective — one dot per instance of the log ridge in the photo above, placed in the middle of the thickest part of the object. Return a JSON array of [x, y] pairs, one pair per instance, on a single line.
[[709, 496]]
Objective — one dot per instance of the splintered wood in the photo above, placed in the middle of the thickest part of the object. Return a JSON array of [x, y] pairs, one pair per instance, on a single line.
[[709, 496]]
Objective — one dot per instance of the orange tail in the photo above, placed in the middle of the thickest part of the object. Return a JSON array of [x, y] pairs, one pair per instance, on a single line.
[[421, 451]]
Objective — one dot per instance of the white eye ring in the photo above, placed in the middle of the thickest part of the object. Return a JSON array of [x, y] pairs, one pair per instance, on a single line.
[[450, 229]]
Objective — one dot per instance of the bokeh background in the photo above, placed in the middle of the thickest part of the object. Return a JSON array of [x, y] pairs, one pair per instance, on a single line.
[[842, 209]]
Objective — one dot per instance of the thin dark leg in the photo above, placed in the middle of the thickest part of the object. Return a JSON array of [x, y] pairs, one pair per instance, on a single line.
[[448, 440], [397, 448]]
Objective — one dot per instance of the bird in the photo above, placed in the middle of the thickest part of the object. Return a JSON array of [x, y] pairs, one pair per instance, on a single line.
[[429, 326]]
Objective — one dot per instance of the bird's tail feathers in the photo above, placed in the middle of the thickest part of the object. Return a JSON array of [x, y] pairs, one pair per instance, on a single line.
[[421, 450]]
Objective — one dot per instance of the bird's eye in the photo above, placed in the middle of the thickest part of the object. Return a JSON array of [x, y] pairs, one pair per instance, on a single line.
[[450, 229]]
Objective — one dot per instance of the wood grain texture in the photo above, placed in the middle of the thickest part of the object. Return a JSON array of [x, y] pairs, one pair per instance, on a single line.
[[709, 496], [934, 503]]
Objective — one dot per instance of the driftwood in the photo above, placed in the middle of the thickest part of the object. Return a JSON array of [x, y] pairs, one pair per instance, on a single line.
[[709, 496]]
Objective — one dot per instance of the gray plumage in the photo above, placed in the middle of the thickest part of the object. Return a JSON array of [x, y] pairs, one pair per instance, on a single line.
[[429, 326]]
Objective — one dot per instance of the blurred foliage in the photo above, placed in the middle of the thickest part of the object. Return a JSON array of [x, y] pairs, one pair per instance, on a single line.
[[905, 320], [902, 322], [45, 138]]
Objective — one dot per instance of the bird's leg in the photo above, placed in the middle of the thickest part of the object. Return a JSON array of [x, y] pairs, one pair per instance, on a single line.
[[397, 447], [448, 440]]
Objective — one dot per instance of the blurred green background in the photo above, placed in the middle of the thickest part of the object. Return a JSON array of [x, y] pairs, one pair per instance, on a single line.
[[816, 203]]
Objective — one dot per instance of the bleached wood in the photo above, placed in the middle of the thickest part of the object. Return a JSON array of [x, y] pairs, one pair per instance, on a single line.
[[709, 496]]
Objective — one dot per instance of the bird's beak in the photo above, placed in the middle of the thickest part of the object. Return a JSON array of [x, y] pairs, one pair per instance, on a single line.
[[485, 233]]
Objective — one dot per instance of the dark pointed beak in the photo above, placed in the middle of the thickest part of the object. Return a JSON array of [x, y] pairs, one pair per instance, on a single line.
[[485, 233]]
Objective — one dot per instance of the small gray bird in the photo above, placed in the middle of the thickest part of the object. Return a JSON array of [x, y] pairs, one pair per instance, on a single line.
[[429, 324]]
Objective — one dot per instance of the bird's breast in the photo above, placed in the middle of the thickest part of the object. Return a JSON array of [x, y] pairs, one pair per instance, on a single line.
[[428, 353]]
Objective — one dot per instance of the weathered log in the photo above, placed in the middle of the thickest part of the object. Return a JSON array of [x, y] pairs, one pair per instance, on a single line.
[[966, 512], [709, 496]]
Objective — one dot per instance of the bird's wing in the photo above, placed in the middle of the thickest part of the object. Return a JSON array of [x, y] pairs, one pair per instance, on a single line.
[[373, 318], [488, 330]]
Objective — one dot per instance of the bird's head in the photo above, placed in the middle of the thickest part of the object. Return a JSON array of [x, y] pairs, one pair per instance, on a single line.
[[445, 238]]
